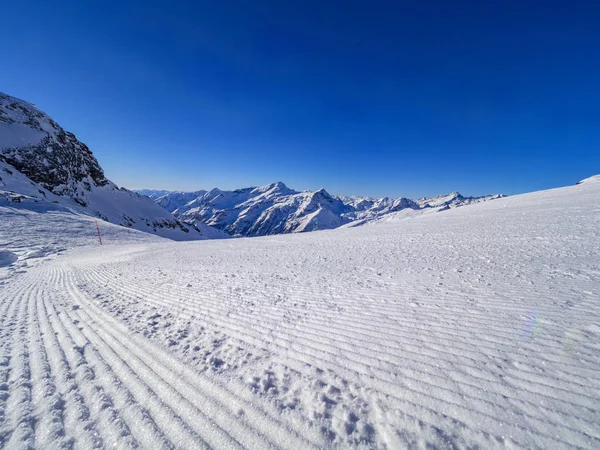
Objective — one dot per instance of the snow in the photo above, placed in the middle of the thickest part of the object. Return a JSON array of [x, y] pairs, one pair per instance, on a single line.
[[592, 179], [175, 200], [108, 202], [474, 327], [154, 193], [15, 135], [277, 209], [257, 211], [32, 231]]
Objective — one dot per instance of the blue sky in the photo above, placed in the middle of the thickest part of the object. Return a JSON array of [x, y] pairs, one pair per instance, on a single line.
[[371, 98]]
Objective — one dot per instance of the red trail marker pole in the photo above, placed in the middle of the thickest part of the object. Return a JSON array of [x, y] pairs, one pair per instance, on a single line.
[[98, 230]]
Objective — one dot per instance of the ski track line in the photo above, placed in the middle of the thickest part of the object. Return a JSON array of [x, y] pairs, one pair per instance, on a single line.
[[450, 337], [249, 436], [226, 313], [557, 418], [92, 414], [348, 343], [145, 409], [269, 421], [389, 388], [344, 337], [415, 416], [434, 312], [444, 350], [48, 404], [388, 385], [50, 413], [456, 337], [80, 405], [19, 427], [8, 335], [447, 297], [420, 374], [454, 362]]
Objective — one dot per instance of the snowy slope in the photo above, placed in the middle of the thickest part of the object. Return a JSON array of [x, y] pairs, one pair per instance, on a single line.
[[277, 209], [593, 179], [36, 154], [477, 327], [32, 231]]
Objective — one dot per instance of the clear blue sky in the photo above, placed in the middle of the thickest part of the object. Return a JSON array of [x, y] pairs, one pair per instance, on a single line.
[[375, 98]]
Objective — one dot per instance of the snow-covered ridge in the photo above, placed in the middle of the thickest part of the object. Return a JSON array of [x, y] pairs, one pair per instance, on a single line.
[[277, 209], [40, 162]]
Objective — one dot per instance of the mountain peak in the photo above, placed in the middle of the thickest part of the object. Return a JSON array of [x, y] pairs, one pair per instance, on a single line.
[[277, 188], [322, 193], [279, 185]]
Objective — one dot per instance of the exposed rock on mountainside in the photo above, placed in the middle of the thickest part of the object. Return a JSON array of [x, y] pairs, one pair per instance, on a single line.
[[41, 162], [36, 146]]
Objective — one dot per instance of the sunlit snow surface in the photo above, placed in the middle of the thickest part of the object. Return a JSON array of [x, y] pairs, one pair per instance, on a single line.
[[477, 327]]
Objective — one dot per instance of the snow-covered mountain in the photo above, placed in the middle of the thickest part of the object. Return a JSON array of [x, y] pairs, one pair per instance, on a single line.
[[153, 193], [42, 163], [277, 209], [453, 200], [259, 211]]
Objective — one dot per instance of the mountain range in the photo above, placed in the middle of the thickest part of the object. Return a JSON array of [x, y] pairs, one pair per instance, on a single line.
[[277, 209], [47, 168]]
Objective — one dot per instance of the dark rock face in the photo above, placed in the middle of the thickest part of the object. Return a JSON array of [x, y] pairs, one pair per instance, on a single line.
[[58, 161]]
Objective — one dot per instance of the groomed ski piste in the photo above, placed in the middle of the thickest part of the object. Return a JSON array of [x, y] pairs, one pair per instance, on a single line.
[[477, 327]]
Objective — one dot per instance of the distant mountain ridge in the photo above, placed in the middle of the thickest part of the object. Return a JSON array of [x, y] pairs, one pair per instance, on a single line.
[[277, 209], [44, 166]]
